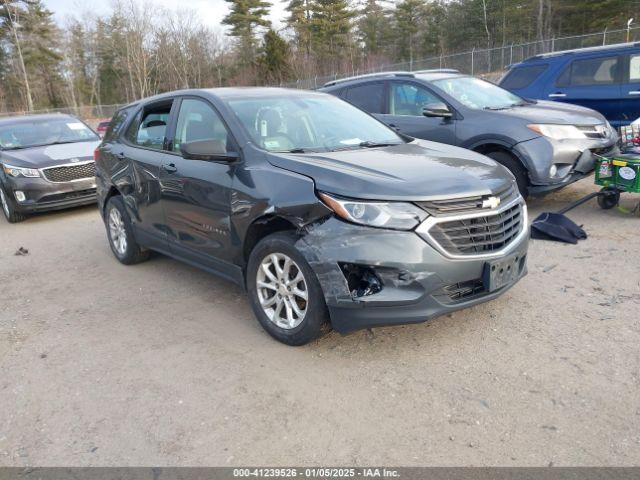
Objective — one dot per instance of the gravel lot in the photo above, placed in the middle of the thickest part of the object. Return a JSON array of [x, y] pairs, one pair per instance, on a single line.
[[162, 364]]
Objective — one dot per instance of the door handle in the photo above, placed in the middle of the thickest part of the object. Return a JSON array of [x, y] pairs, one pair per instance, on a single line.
[[169, 167], [634, 92], [557, 95]]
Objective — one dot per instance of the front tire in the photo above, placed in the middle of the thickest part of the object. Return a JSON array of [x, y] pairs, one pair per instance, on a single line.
[[9, 209], [515, 167], [285, 294], [120, 234]]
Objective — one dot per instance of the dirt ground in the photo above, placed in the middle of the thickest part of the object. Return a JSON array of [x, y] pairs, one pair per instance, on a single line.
[[162, 364]]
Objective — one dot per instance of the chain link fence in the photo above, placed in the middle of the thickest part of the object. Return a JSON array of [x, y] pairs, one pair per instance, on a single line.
[[487, 63], [91, 114]]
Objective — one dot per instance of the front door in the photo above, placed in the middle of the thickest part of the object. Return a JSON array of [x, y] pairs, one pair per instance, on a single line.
[[406, 101], [196, 194]]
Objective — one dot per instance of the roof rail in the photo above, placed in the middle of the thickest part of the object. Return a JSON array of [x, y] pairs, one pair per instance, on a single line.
[[585, 49], [369, 75], [438, 70]]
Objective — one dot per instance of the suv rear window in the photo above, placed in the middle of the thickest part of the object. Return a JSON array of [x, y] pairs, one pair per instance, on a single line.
[[522, 77]]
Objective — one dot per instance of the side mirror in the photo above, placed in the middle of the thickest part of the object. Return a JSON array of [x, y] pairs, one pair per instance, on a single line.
[[207, 150], [437, 109]]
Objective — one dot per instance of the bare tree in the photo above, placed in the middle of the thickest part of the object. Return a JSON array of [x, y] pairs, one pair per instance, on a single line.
[[13, 24]]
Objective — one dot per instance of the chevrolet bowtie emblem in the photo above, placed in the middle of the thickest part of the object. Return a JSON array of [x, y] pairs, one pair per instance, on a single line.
[[491, 202]]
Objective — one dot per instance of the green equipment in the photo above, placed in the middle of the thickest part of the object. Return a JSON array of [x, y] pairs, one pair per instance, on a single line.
[[617, 174]]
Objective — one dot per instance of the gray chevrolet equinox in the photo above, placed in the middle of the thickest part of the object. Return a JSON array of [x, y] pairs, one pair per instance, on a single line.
[[324, 214], [546, 145]]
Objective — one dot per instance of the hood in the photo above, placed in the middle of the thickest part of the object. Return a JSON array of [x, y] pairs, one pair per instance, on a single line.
[[50, 155], [416, 171], [554, 112]]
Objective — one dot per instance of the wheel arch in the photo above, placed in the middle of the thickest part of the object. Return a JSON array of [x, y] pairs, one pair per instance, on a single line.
[[262, 227], [112, 192], [487, 147]]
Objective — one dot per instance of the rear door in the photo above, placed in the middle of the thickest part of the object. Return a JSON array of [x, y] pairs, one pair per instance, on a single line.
[[196, 194], [630, 95], [141, 154], [405, 102], [592, 82]]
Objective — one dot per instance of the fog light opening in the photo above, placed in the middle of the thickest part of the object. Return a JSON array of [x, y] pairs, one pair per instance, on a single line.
[[20, 196], [361, 280], [553, 171]]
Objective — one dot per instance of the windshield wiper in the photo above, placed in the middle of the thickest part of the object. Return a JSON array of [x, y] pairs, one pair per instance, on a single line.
[[372, 144], [506, 107]]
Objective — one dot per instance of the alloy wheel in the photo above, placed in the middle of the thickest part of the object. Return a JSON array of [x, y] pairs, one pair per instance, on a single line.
[[117, 231], [282, 290]]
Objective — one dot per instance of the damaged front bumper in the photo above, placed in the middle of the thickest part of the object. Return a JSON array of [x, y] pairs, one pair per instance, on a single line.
[[572, 159], [373, 277]]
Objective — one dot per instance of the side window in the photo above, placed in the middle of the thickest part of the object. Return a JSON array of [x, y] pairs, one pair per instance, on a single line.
[[634, 68], [198, 121], [367, 97], [522, 77], [149, 128], [591, 71], [409, 99]]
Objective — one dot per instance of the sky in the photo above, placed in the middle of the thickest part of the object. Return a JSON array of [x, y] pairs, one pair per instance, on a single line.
[[210, 11]]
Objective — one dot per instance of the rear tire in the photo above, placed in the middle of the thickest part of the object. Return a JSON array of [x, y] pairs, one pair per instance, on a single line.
[[515, 167], [278, 299], [120, 233], [9, 208]]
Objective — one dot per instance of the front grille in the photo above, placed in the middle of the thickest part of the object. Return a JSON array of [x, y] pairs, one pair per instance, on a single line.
[[466, 204], [69, 173], [479, 235]]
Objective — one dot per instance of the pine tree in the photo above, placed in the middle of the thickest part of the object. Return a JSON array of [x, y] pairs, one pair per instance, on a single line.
[[409, 16], [299, 20], [374, 28], [244, 18], [331, 28], [273, 59]]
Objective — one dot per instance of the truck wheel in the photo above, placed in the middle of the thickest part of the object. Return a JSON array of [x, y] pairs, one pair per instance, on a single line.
[[9, 209], [285, 294], [609, 197], [515, 167], [120, 234]]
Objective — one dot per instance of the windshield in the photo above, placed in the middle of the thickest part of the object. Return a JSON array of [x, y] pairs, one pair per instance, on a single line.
[[313, 123], [25, 134], [478, 94]]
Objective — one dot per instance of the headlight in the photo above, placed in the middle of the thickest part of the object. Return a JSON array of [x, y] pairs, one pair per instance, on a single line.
[[558, 132], [393, 215], [21, 172]]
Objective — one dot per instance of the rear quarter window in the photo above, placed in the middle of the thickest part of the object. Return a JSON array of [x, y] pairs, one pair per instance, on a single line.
[[116, 124], [522, 77]]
